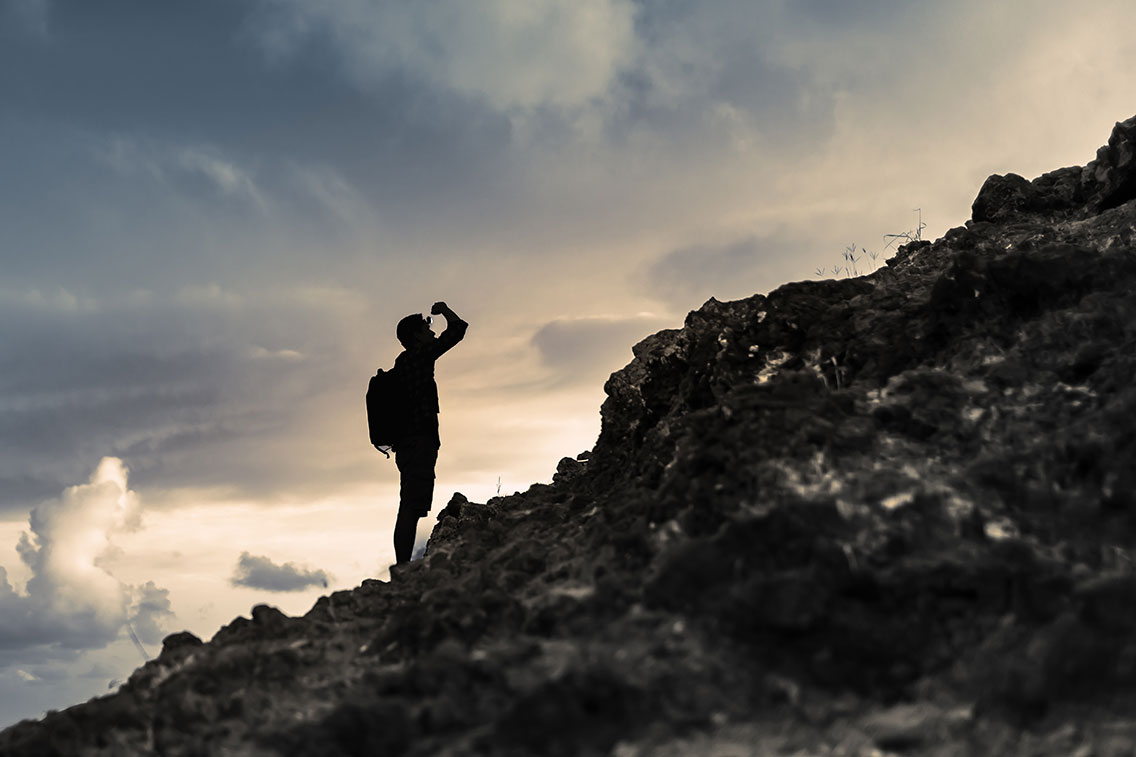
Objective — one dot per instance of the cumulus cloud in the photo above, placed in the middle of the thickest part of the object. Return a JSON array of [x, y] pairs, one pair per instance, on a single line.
[[515, 53], [151, 607], [256, 572], [71, 601]]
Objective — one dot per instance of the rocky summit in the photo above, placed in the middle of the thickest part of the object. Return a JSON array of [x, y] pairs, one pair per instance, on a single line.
[[893, 514]]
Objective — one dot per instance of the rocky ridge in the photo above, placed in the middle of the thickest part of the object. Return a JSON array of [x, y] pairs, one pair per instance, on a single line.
[[890, 514]]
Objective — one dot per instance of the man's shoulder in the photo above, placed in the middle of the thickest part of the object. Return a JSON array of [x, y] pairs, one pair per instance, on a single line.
[[410, 360], [413, 358]]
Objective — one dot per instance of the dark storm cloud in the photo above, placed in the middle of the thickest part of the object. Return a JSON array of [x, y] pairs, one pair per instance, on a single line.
[[256, 572], [82, 385], [115, 210], [131, 64], [697, 66], [35, 680], [145, 143], [286, 92], [167, 383], [588, 349], [194, 69], [38, 663], [119, 124]]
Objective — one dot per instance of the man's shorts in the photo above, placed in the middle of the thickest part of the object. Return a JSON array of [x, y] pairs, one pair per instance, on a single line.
[[416, 459]]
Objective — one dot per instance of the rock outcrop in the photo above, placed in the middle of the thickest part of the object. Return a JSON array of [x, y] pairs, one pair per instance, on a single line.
[[893, 513]]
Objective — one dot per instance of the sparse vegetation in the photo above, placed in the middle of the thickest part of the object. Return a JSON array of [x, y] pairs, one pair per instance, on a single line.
[[854, 261]]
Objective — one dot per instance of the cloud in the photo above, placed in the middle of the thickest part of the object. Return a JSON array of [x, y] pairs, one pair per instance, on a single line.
[[184, 165], [514, 53], [260, 353], [151, 605], [198, 386], [329, 189], [688, 276], [71, 602], [690, 54], [587, 349], [257, 572]]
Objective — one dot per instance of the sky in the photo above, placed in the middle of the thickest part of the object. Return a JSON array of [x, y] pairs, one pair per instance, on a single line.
[[213, 214]]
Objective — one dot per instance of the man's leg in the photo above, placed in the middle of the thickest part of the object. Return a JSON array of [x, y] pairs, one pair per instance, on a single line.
[[405, 529], [416, 492]]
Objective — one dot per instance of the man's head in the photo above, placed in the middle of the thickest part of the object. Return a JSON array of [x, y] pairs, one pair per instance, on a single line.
[[414, 330]]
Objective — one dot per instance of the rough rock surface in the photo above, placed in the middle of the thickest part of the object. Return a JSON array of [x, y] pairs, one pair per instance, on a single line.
[[892, 514]]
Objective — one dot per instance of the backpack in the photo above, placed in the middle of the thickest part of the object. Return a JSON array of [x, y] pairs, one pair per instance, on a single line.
[[386, 410]]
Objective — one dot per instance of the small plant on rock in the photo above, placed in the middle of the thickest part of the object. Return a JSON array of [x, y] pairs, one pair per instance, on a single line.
[[854, 261], [913, 235]]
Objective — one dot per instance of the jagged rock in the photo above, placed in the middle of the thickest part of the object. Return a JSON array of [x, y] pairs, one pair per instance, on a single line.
[[1112, 176], [1075, 193], [803, 508], [177, 642], [1004, 197], [453, 508], [268, 617], [567, 470]]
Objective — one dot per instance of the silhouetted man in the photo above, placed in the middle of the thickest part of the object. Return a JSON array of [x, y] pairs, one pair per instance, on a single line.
[[417, 452]]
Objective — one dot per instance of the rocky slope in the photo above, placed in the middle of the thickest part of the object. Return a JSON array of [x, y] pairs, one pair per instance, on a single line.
[[886, 514]]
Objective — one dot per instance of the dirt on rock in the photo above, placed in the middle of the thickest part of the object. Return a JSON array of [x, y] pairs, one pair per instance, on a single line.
[[889, 514]]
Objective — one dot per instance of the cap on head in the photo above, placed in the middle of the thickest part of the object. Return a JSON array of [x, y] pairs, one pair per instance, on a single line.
[[408, 327]]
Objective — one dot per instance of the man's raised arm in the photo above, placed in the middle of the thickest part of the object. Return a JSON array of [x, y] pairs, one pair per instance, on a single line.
[[455, 328]]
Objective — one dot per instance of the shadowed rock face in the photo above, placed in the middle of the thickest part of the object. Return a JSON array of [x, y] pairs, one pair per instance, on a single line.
[[894, 512]]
